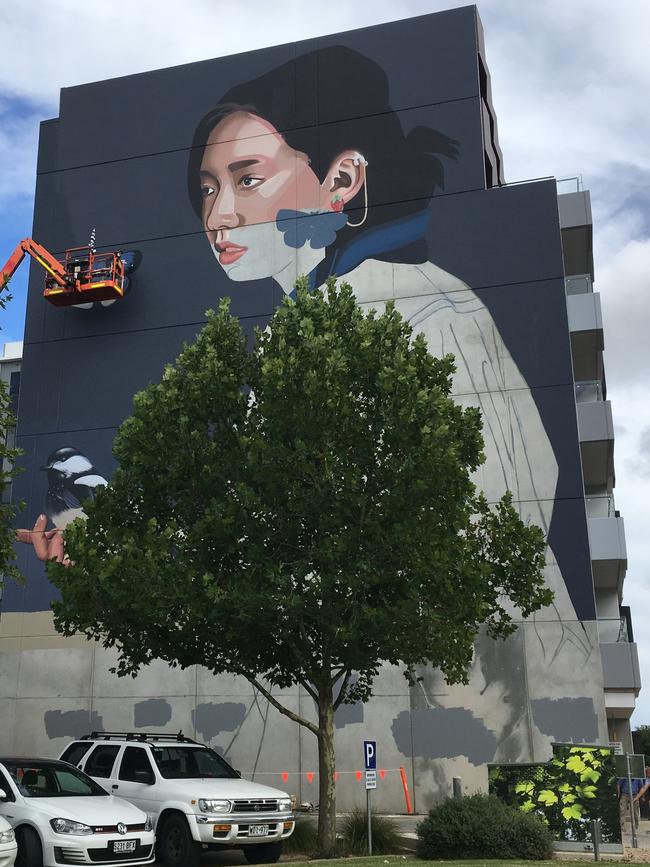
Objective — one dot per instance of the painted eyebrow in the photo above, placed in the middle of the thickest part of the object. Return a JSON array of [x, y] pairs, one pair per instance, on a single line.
[[242, 164]]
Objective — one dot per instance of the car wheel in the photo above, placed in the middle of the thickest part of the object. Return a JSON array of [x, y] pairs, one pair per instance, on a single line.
[[30, 851], [262, 853], [177, 848]]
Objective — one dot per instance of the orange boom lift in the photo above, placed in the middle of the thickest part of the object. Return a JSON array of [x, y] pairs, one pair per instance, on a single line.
[[82, 276]]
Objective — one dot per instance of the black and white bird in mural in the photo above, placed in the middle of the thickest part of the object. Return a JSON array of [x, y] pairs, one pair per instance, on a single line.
[[72, 478]]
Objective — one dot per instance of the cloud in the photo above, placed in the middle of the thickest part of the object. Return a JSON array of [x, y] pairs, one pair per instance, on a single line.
[[640, 465], [624, 284], [19, 124]]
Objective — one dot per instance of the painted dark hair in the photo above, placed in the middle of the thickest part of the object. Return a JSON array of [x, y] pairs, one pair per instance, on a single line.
[[294, 98]]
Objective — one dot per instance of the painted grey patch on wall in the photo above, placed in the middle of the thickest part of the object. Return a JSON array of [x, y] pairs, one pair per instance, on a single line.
[[209, 719], [566, 719], [346, 714], [71, 723], [152, 712], [443, 733]]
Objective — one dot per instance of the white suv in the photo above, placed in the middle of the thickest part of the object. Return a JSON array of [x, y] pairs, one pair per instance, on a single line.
[[192, 795]]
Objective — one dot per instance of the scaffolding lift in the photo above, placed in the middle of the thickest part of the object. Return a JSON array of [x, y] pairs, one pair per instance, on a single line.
[[82, 275]]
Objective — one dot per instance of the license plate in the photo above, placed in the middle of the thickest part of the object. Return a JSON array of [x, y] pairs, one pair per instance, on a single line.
[[124, 845], [258, 830]]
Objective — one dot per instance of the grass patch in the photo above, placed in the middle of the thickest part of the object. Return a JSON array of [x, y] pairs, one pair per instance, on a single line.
[[396, 860]]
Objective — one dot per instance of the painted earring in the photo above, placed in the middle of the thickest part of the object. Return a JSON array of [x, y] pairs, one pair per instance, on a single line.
[[360, 160], [337, 203]]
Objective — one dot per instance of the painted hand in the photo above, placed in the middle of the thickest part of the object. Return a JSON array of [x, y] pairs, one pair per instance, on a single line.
[[48, 544]]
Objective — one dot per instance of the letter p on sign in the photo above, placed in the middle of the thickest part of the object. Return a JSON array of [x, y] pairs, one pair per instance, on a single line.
[[370, 755]]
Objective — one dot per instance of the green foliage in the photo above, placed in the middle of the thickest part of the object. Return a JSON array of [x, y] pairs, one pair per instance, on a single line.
[[315, 492], [577, 785], [482, 826], [386, 839], [8, 471], [303, 841], [641, 734]]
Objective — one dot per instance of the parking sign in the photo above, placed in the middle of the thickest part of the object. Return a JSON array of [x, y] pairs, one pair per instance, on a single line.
[[370, 755]]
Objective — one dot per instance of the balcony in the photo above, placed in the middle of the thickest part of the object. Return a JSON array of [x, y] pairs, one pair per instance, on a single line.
[[586, 329], [620, 660], [608, 550], [576, 227], [596, 433]]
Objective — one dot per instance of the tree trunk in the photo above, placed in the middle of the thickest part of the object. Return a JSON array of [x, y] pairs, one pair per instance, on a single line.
[[326, 766]]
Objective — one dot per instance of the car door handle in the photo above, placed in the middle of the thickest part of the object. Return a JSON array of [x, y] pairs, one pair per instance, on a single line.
[[115, 787]]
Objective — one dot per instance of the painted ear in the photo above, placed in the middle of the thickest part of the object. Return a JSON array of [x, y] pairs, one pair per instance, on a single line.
[[345, 177]]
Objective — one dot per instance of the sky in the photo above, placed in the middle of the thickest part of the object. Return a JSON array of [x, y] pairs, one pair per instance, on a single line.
[[570, 85]]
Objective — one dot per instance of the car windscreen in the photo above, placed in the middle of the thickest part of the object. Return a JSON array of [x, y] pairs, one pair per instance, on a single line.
[[179, 763], [52, 780]]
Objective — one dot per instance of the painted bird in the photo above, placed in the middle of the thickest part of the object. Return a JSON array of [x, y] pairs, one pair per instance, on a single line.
[[72, 479]]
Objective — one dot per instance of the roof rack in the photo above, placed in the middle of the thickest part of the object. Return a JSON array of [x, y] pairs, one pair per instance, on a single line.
[[143, 737]]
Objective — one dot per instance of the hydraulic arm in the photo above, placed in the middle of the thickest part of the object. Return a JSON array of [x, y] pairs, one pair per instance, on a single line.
[[28, 247], [84, 275]]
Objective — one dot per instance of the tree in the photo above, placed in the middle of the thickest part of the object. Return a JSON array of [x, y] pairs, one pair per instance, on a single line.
[[641, 739], [8, 470], [300, 514]]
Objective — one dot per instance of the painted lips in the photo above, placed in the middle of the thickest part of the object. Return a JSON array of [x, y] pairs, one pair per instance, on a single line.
[[229, 253]]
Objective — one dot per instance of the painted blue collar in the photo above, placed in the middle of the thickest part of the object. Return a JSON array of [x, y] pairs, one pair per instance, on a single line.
[[400, 240]]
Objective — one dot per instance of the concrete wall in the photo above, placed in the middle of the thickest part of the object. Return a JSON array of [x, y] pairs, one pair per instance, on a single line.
[[543, 685]]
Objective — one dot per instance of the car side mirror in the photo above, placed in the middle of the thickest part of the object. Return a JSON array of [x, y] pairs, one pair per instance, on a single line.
[[3, 795], [144, 777]]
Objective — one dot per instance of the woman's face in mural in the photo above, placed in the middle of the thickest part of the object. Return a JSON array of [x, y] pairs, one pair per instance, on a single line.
[[249, 176]]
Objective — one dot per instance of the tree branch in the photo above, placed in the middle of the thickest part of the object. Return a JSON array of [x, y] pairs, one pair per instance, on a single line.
[[342, 691], [310, 689], [276, 704]]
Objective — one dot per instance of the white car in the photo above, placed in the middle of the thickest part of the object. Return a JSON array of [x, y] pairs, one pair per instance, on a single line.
[[8, 848], [193, 796], [61, 816]]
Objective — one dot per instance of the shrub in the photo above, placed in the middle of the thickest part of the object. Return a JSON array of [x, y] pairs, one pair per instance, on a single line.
[[386, 839], [482, 826], [303, 841]]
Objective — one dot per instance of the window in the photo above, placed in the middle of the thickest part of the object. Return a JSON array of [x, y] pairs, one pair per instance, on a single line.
[[177, 763], [4, 784], [75, 752], [136, 766], [14, 390], [52, 780], [101, 761]]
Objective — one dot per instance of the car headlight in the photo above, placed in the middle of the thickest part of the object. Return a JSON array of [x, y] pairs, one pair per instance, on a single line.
[[148, 824], [209, 805], [67, 826], [284, 805], [7, 836]]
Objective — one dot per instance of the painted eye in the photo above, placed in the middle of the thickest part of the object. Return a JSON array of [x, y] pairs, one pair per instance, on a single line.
[[207, 190], [249, 182]]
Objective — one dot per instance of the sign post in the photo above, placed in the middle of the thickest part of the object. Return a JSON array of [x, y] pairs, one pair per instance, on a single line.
[[631, 799], [370, 763]]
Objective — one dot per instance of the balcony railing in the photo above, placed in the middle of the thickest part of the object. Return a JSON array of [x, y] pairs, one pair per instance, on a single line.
[[569, 185], [578, 284], [589, 391], [613, 630], [601, 507]]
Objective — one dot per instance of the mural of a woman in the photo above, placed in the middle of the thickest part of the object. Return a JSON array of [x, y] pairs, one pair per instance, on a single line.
[[354, 201]]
